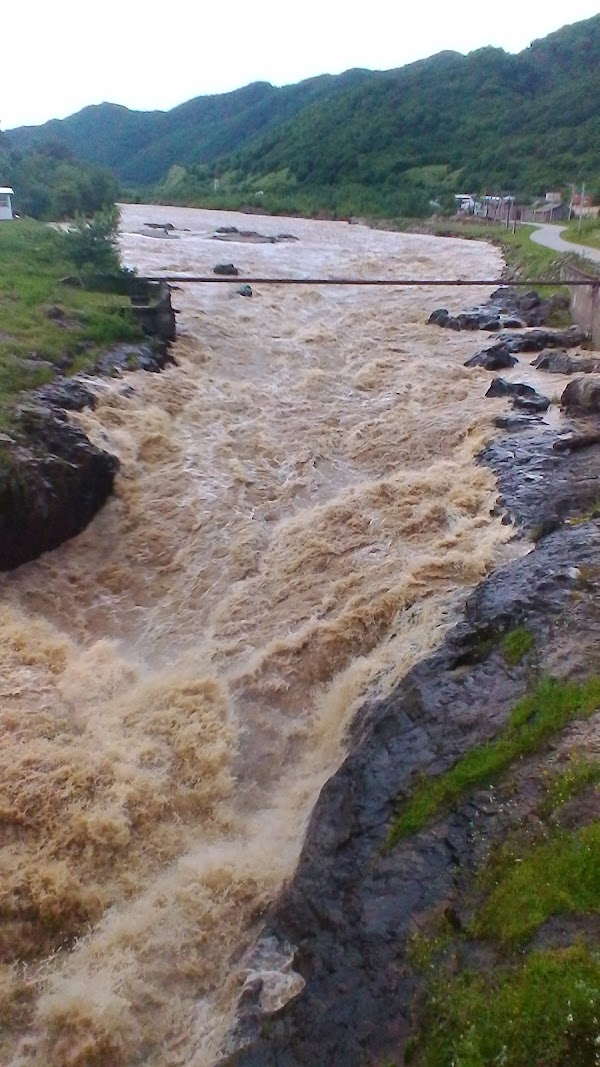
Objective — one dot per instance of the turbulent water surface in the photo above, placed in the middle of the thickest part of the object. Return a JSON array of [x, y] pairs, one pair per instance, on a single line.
[[296, 520]]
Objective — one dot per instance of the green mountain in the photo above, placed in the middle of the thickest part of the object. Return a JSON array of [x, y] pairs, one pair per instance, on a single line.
[[376, 141], [140, 146]]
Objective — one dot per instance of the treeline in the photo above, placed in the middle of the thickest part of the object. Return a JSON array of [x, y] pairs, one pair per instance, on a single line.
[[50, 183]]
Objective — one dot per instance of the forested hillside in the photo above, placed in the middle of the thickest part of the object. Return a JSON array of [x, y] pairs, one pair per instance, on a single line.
[[387, 142], [50, 183]]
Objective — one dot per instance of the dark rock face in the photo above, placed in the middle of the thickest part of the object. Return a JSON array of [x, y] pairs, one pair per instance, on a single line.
[[69, 394], [353, 903], [582, 395], [522, 396], [244, 290], [53, 482], [497, 357], [121, 358]]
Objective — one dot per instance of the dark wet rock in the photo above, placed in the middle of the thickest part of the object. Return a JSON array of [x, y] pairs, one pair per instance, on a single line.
[[496, 357], [560, 362], [353, 904], [516, 422], [244, 290], [522, 396], [225, 268], [128, 357], [538, 339], [167, 226], [53, 480], [227, 229], [507, 308], [70, 394], [540, 487], [287, 237], [582, 395]]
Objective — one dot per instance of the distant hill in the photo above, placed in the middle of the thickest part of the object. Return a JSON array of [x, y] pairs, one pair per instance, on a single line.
[[366, 140], [140, 146]]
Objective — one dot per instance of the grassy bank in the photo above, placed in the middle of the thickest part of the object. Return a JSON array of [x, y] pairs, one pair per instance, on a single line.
[[588, 234], [46, 323]]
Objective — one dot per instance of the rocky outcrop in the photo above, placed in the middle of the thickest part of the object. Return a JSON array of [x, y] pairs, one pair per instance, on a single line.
[[53, 481], [563, 363], [354, 902], [507, 308], [582, 395]]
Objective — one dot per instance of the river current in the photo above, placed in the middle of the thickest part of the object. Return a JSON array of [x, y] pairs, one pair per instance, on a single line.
[[297, 519]]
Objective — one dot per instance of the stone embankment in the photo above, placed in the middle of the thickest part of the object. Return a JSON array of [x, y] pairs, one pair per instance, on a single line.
[[362, 892], [53, 480]]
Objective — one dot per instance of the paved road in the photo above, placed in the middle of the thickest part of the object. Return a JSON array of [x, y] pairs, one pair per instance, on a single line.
[[549, 235]]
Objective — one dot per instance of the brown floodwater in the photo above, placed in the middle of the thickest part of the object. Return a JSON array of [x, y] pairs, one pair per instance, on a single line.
[[296, 521]]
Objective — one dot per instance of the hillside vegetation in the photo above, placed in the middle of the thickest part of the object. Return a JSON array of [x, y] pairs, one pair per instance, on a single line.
[[365, 141]]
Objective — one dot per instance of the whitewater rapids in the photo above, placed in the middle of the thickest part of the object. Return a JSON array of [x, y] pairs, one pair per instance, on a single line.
[[297, 519]]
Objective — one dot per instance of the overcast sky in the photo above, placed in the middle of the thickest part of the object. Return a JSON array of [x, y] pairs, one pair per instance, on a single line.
[[58, 57]]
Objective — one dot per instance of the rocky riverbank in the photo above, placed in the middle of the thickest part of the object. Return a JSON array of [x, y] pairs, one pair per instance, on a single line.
[[53, 480], [385, 867]]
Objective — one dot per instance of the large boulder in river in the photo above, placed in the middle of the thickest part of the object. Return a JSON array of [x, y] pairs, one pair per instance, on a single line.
[[560, 362], [582, 395], [497, 357], [522, 395]]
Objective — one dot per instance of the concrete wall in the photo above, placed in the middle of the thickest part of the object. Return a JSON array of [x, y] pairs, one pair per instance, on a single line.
[[5, 206], [585, 300]]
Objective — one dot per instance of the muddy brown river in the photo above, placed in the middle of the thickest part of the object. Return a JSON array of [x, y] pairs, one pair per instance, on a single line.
[[297, 519]]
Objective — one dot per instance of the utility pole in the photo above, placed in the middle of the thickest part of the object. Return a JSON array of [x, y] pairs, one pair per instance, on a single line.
[[581, 206]]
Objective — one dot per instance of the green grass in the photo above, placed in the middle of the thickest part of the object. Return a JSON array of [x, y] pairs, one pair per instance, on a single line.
[[569, 783], [588, 234], [544, 1012], [517, 644], [35, 338], [559, 877], [537, 717]]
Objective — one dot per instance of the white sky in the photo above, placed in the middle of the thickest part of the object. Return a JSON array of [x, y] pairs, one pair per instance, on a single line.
[[59, 56]]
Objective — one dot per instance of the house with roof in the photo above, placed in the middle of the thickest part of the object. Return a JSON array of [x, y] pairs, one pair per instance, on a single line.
[[5, 202]]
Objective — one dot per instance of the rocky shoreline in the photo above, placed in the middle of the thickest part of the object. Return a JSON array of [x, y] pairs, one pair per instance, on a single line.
[[359, 897], [53, 480]]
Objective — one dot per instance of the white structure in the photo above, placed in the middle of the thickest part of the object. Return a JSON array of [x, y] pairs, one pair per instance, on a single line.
[[5, 202]]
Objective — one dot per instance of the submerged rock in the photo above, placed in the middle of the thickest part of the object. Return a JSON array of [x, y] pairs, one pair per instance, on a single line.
[[225, 268]]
